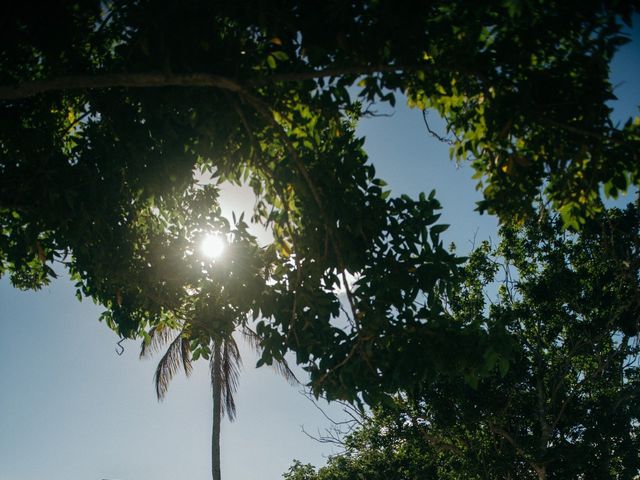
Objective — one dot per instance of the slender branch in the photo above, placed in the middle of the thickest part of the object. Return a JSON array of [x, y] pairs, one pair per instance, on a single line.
[[329, 437], [436, 135], [105, 20], [265, 111], [519, 450], [120, 347], [75, 122], [339, 428], [348, 292], [437, 442], [285, 206], [340, 364], [326, 415], [582, 132]]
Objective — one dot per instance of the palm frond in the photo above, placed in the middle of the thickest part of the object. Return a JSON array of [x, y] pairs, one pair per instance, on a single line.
[[185, 352], [280, 366], [177, 355], [158, 337], [252, 338], [231, 363]]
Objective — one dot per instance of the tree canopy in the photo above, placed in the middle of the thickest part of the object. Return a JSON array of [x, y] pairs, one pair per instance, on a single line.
[[565, 405], [108, 109]]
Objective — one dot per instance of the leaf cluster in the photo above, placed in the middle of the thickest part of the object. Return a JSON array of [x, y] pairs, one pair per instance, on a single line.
[[566, 403]]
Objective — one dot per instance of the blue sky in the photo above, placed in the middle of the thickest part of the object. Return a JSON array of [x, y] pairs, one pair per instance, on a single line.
[[71, 409]]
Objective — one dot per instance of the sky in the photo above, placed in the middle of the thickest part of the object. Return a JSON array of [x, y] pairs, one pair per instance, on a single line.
[[72, 409]]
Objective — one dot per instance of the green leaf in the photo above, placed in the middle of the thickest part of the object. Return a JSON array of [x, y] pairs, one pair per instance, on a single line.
[[438, 229], [503, 366], [280, 55]]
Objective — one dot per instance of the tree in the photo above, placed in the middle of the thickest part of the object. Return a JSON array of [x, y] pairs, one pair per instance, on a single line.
[[224, 363], [562, 404], [224, 366], [203, 300], [107, 109], [381, 448]]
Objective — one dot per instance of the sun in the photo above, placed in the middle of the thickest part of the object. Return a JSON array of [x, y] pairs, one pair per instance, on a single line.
[[212, 245]]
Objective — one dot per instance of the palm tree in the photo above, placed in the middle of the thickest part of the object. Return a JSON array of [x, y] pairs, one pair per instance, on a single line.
[[224, 365]]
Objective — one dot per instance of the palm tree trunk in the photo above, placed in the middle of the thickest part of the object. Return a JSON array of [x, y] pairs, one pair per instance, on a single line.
[[216, 380]]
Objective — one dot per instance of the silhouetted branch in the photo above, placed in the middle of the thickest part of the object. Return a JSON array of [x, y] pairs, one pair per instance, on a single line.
[[120, 347], [338, 429], [436, 135], [116, 80], [157, 79]]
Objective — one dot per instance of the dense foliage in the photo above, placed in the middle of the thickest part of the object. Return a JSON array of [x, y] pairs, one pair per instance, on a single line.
[[567, 403], [108, 108]]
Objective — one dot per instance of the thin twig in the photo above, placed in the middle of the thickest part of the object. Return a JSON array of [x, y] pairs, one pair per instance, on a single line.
[[439, 137]]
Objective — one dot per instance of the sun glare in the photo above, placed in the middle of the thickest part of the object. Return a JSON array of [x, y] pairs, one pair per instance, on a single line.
[[212, 245]]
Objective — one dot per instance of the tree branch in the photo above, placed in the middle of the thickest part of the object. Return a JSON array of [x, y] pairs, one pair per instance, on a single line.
[[539, 469], [266, 112], [31, 88], [116, 80]]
